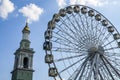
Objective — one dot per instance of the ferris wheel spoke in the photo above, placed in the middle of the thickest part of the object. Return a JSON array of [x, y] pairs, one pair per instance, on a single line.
[[87, 26], [91, 38], [84, 30], [92, 28], [67, 51], [87, 22], [99, 29], [97, 66], [92, 67], [113, 58], [96, 31], [66, 41], [72, 65], [107, 69], [107, 37], [86, 70], [100, 74], [89, 32], [70, 36], [91, 24], [67, 58], [68, 44], [75, 33], [66, 33], [63, 44], [75, 74], [95, 28], [108, 43], [80, 29], [104, 39], [111, 48], [82, 71], [74, 27], [102, 33], [105, 73], [113, 67], [94, 72], [113, 61], [79, 33], [111, 54]]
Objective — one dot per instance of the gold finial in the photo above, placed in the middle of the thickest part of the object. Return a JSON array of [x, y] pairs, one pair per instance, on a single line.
[[26, 28]]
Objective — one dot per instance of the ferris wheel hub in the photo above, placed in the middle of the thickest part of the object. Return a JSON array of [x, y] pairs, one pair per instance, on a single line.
[[96, 50]]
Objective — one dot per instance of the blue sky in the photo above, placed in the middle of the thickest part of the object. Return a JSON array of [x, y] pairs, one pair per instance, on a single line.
[[13, 14]]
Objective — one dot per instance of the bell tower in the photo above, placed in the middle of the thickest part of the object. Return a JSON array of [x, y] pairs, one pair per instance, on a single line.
[[23, 64]]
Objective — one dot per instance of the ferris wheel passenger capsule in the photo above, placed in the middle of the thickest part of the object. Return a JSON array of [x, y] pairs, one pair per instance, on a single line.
[[116, 36], [56, 17], [47, 45], [49, 58], [69, 9], [84, 10], [62, 12], [48, 34], [51, 24], [110, 29], [76, 9], [91, 13], [98, 17], [53, 72], [119, 44], [104, 22]]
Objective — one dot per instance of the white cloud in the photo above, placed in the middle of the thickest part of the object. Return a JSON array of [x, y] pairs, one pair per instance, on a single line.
[[89, 2], [96, 3], [61, 3], [32, 12], [73, 2], [6, 7]]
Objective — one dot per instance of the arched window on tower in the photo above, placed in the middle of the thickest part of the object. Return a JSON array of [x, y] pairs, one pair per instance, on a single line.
[[25, 62]]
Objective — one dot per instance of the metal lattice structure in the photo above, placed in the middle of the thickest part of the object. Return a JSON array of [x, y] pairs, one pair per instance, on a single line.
[[81, 44]]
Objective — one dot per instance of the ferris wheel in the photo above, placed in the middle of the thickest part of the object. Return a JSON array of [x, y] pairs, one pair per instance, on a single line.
[[81, 44]]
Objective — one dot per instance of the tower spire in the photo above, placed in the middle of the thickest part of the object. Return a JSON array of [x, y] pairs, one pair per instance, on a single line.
[[26, 22], [26, 32], [23, 58], [26, 28]]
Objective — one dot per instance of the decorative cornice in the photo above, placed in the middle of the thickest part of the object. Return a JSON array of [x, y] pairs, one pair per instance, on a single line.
[[24, 69]]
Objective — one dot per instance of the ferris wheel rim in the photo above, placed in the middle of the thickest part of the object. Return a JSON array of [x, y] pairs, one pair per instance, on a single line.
[[98, 13]]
